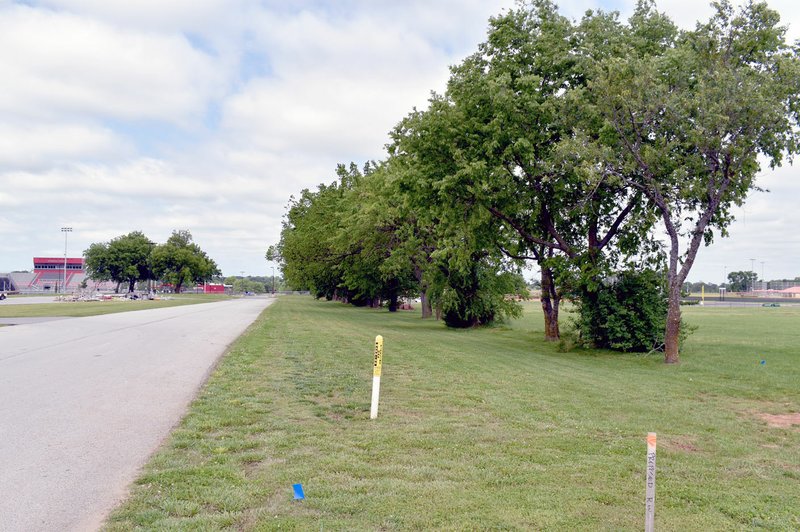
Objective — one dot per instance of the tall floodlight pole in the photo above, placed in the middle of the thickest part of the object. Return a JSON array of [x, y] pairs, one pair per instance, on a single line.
[[65, 230], [752, 269]]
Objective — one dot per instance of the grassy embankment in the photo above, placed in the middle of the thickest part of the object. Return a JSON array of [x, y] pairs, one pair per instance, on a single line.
[[96, 308], [480, 429]]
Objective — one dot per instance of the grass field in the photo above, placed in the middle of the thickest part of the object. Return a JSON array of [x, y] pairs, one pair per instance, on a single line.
[[481, 429], [96, 308]]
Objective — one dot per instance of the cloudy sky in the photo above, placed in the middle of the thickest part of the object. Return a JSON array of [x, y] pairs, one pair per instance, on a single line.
[[207, 115]]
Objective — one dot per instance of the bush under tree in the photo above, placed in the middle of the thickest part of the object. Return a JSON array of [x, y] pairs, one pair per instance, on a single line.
[[625, 313]]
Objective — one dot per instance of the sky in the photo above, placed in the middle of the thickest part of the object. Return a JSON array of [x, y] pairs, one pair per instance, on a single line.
[[207, 115]]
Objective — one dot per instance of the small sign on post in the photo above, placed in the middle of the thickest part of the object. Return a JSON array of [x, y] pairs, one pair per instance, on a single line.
[[377, 362], [650, 491]]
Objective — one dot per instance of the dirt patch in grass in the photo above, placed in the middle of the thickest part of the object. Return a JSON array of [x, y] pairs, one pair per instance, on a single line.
[[684, 445], [760, 411], [781, 421]]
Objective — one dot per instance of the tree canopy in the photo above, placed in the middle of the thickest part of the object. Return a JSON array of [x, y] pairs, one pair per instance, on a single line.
[[134, 257], [688, 124], [571, 144], [180, 261], [125, 259], [741, 281]]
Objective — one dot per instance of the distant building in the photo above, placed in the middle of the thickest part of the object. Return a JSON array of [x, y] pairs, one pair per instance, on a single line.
[[794, 291], [782, 284], [48, 275], [210, 288]]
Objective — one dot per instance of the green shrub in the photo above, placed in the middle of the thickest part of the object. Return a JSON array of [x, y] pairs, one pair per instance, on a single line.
[[626, 313], [479, 297]]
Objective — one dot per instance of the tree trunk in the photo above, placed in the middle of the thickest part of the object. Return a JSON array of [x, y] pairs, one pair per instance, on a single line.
[[425, 303], [393, 286], [672, 335], [550, 301], [551, 331], [131, 285]]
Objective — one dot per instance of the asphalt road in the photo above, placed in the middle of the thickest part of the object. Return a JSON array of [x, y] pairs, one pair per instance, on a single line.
[[85, 401]]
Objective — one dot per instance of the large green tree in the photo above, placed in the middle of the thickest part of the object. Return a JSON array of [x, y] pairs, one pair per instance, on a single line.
[[96, 261], [180, 261], [507, 153], [687, 124], [449, 240], [369, 235], [741, 281], [125, 259]]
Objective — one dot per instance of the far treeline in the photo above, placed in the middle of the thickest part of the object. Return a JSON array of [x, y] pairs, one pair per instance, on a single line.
[[134, 257], [571, 144], [739, 281]]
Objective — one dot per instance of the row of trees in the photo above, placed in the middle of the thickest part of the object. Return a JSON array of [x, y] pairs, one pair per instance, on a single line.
[[253, 283], [574, 145], [362, 240], [134, 257]]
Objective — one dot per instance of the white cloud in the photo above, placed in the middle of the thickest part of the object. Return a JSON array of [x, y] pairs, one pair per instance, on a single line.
[[58, 65], [154, 15], [336, 86], [39, 145]]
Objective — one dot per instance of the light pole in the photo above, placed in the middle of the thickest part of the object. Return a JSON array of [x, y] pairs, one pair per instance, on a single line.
[[752, 269], [724, 286], [65, 230], [763, 280], [273, 280]]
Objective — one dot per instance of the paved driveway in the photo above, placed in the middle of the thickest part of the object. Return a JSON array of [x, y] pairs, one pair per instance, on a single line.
[[85, 401]]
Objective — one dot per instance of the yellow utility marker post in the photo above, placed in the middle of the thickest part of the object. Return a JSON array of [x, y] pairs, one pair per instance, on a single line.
[[377, 362]]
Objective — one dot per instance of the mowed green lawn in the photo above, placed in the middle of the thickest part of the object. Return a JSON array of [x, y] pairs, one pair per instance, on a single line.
[[481, 429], [95, 308]]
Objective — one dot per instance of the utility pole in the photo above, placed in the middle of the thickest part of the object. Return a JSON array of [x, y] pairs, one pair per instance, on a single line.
[[273, 280], [752, 269]]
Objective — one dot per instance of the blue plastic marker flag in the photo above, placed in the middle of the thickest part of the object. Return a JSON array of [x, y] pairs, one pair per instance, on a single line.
[[763, 362], [298, 492]]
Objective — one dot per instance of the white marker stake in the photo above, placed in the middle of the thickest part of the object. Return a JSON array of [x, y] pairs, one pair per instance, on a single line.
[[377, 361], [650, 494]]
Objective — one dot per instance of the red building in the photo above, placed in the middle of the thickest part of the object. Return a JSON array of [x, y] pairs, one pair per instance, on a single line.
[[209, 288]]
